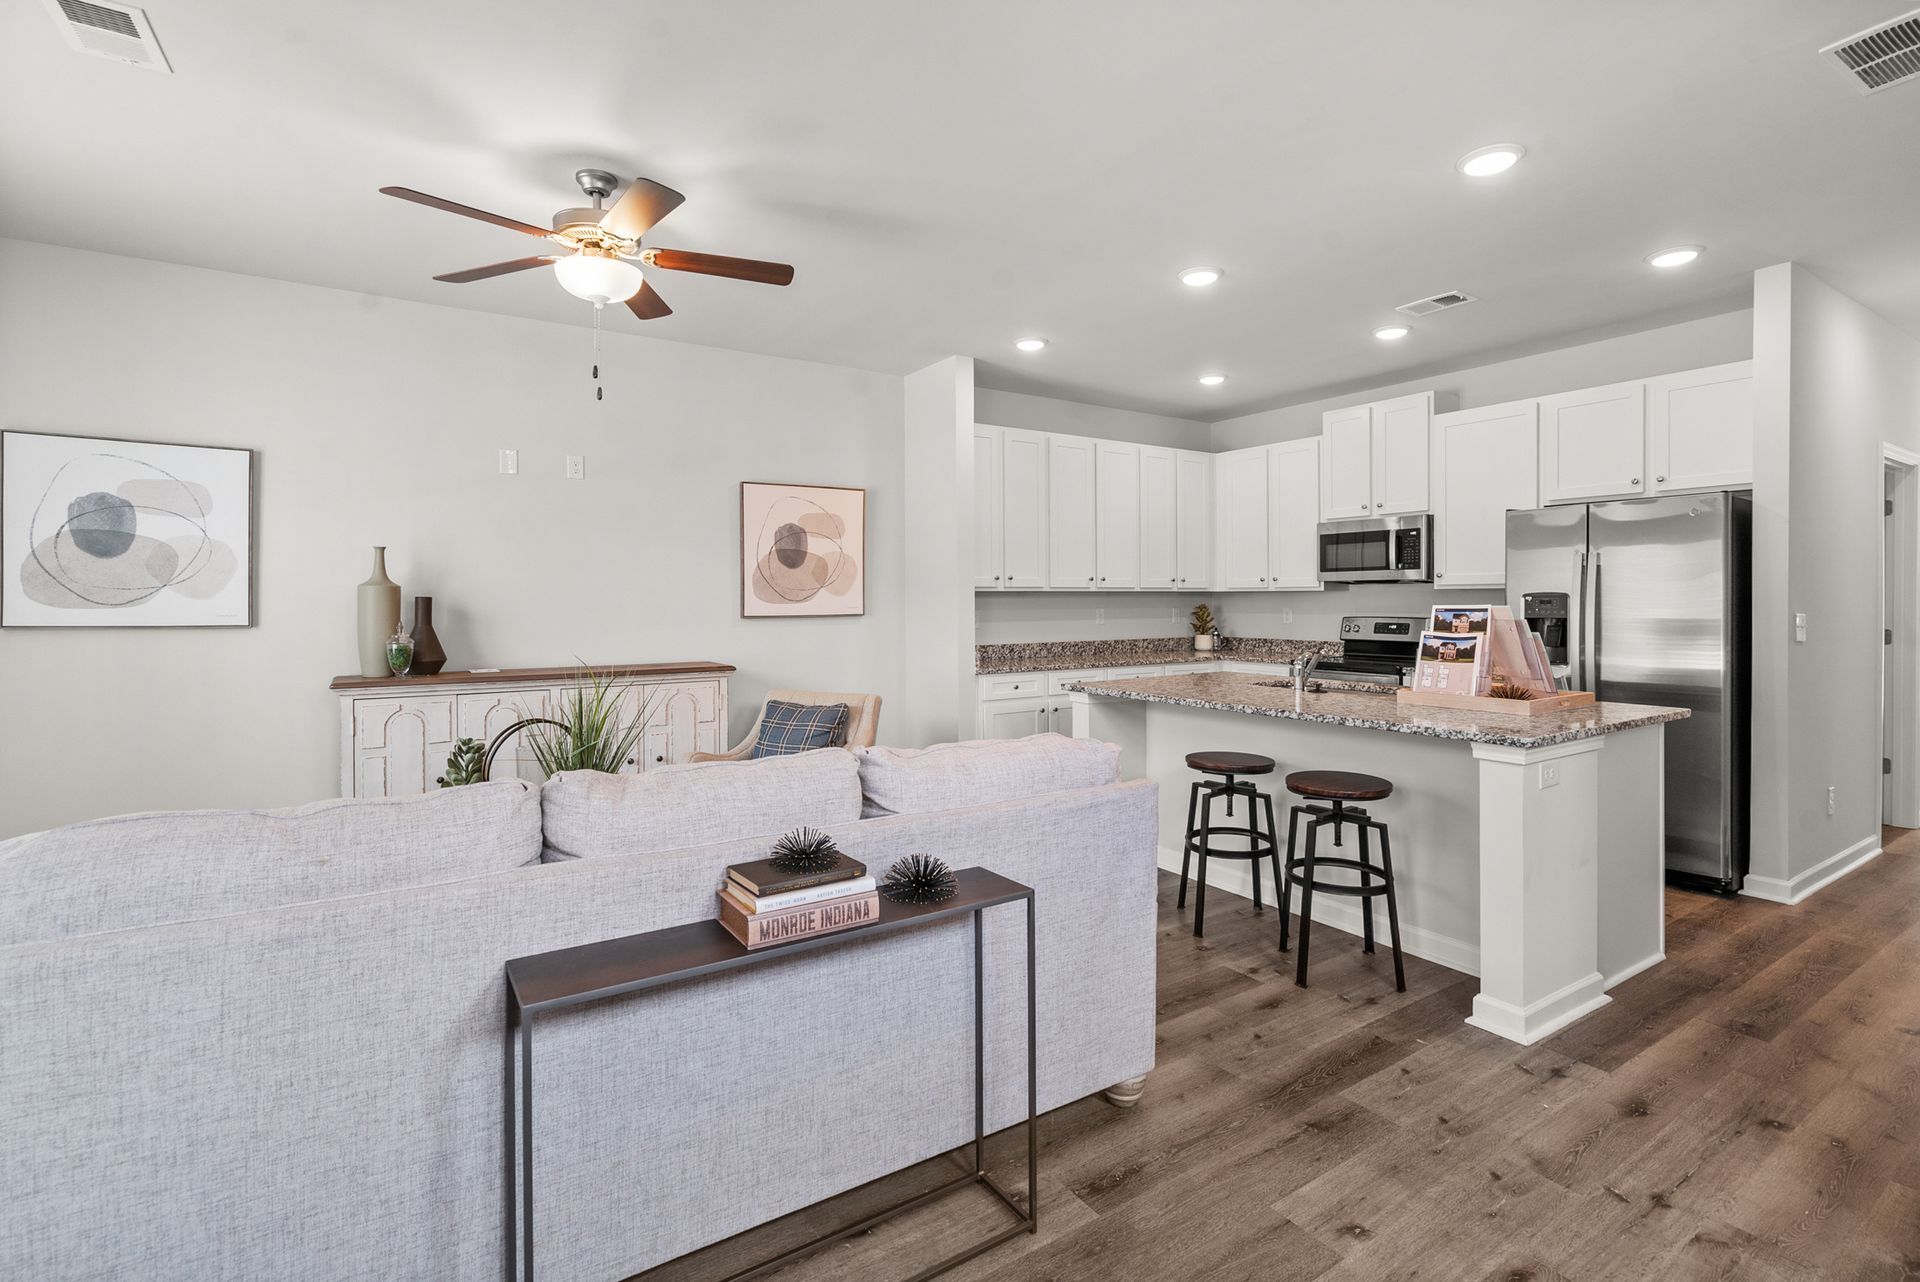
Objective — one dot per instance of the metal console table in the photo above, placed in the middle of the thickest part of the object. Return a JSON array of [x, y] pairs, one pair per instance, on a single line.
[[566, 977]]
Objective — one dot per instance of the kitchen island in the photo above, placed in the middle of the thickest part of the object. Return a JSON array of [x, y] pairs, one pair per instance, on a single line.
[[1528, 850]]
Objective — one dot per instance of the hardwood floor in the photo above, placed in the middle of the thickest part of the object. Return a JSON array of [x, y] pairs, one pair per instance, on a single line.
[[1750, 1110]]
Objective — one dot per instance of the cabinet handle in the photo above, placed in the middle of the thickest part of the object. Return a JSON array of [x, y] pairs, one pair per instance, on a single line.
[[631, 760], [996, 578], [1659, 478], [1089, 578], [657, 759], [1634, 481]]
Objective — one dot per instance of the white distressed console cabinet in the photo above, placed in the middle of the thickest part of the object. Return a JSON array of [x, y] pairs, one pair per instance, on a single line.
[[396, 732]]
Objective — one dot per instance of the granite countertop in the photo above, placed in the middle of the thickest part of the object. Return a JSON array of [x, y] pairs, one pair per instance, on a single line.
[[1255, 696], [1057, 656]]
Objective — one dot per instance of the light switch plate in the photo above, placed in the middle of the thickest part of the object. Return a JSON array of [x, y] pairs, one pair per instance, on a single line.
[[509, 462], [576, 467], [1100, 618], [1800, 627]]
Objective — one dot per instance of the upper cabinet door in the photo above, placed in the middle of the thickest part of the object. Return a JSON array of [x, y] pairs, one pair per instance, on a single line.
[[1593, 444], [1117, 514], [1240, 495], [1070, 509], [1485, 463], [1294, 472], [1194, 558], [1159, 518], [1401, 433], [1346, 463], [988, 535], [1700, 429], [1023, 509]]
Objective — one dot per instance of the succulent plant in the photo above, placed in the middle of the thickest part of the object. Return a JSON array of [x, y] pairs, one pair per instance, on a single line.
[[465, 764]]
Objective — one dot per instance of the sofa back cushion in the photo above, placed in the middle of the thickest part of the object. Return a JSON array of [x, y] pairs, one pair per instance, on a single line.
[[152, 869], [589, 815], [980, 772]]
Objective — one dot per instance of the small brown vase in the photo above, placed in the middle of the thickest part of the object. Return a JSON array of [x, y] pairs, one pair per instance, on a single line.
[[428, 656]]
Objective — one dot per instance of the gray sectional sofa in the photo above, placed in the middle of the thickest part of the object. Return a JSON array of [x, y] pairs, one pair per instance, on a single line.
[[251, 1045]]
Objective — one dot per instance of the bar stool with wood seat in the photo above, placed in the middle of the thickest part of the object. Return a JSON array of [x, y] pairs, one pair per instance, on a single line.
[[1329, 795], [1233, 767]]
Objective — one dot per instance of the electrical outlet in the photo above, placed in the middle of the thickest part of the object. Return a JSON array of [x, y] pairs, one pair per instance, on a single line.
[[509, 462], [576, 467], [1800, 628], [1833, 799], [1550, 775], [1099, 618], [1286, 616]]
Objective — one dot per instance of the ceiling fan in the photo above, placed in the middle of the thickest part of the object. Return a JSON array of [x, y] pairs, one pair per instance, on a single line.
[[601, 245]]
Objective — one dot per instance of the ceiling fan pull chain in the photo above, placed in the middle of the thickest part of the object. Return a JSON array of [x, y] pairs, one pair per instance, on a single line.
[[599, 392]]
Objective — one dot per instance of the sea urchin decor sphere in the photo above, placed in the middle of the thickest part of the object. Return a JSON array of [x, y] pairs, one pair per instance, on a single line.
[[805, 850], [919, 879]]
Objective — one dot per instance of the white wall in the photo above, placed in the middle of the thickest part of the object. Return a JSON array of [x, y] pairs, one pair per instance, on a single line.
[[377, 421], [1072, 418], [1712, 340], [1851, 383]]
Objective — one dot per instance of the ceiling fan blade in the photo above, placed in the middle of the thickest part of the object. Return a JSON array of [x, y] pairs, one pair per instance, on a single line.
[[644, 203], [648, 305], [681, 260], [495, 269], [465, 211]]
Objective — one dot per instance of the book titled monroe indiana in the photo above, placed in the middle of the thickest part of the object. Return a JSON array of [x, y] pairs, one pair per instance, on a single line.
[[758, 930]]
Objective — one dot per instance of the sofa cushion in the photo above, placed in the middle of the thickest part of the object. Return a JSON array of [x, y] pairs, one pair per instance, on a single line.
[[787, 728], [151, 869], [589, 815], [979, 772]]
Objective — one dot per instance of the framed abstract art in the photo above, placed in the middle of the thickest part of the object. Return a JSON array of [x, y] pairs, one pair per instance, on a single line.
[[803, 551], [104, 533]]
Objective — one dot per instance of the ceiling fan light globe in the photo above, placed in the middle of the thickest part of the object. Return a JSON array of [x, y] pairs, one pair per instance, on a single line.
[[598, 278]]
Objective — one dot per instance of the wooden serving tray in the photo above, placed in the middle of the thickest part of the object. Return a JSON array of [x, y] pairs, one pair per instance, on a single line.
[[1537, 706]]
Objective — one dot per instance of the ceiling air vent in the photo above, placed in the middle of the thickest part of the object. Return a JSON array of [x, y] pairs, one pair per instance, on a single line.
[[1880, 57], [117, 31], [1435, 303]]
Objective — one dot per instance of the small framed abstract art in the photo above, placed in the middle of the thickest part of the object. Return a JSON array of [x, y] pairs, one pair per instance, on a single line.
[[103, 533], [803, 551]]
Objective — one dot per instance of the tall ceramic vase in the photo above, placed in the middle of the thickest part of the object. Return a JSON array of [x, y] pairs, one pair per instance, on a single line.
[[379, 616], [428, 656]]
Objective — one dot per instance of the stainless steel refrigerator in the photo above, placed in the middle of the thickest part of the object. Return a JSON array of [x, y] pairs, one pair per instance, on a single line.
[[1650, 601]]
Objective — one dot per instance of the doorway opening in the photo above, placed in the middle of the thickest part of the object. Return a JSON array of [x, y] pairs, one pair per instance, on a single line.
[[1900, 637]]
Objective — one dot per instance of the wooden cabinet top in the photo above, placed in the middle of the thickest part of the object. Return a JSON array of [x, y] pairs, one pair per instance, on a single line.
[[542, 676]]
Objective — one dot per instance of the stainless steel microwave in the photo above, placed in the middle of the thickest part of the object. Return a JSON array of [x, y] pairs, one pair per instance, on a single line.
[[1377, 549]]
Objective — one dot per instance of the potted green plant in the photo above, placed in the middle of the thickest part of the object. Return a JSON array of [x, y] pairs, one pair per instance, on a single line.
[[1202, 619], [594, 726]]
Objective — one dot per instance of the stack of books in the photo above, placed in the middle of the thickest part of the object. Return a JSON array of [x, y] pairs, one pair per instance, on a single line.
[[761, 905]]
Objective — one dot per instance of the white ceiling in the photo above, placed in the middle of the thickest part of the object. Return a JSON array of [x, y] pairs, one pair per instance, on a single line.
[[949, 177]]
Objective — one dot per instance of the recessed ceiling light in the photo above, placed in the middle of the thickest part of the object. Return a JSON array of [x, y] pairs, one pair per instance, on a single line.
[[1678, 256], [1029, 344], [1485, 162], [1212, 380], [1388, 333], [1199, 277]]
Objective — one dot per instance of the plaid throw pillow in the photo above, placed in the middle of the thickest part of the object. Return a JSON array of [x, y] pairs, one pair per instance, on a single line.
[[787, 728]]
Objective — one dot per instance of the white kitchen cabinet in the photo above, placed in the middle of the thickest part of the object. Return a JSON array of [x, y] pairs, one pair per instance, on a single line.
[[1071, 487], [1593, 444], [1193, 566], [1023, 509], [1159, 517], [1485, 463], [1116, 514], [989, 530], [1014, 718], [1401, 431], [1293, 514], [1346, 463], [1240, 500], [1700, 429]]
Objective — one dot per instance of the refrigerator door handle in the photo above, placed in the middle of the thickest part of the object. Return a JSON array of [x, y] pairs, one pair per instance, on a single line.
[[1593, 617], [1580, 632]]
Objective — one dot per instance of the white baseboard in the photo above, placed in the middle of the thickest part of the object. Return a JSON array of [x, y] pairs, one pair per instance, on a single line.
[[1821, 875], [1340, 913], [1540, 1019], [1625, 973]]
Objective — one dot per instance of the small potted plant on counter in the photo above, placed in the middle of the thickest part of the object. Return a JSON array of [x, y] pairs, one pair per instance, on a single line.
[[1202, 627]]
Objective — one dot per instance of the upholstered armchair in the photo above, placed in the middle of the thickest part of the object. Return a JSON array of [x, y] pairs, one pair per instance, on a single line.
[[863, 721]]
